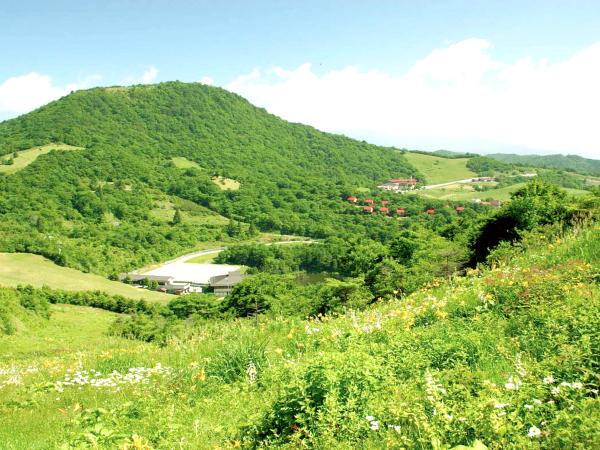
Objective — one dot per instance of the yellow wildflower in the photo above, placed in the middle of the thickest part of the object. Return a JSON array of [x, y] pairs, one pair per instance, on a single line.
[[201, 375]]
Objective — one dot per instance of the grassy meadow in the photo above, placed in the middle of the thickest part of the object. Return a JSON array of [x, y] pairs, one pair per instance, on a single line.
[[225, 184], [27, 269], [440, 170], [504, 357], [26, 157], [459, 191]]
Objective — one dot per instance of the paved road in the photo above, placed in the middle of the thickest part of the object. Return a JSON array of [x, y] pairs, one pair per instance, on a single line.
[[448, 183], [210, 251]]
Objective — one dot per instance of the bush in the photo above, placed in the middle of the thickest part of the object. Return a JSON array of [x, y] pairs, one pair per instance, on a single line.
[[202, 305], [143, 327], [238, 359]]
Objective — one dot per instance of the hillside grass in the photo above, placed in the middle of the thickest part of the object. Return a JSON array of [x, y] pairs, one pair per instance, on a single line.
[[440, 170], [27, 269], [490, 357], [227, 184], [203, 259], [183, 163], [191, 212], [26, 157], [224, 183], [466, 192]]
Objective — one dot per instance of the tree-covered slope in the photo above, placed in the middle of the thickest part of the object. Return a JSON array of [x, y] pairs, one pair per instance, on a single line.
[[506, 357], [565, 162], [220, 130], [92, 209]]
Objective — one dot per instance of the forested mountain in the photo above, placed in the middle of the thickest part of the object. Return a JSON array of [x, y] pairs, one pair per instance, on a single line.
[[565, 162], [98, 201]]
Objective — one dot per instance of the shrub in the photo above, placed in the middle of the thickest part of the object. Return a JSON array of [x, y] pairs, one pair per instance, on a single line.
[[202, 305]]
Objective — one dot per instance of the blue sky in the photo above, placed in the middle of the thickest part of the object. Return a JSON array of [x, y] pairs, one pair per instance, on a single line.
[[85, 43]]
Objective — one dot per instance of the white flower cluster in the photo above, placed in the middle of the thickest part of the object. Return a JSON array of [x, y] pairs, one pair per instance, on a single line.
[[374, 424], [512, 384], [311, 330], [134, 375], [433, 389], [251, 372], [13, 376]]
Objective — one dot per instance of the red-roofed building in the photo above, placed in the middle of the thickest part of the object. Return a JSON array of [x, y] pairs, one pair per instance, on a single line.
[[369, 201], [368, 209], [384, 202], [383, 209], [400, 211], [431, 211], [459, 209], [399, 184], [352, 199]]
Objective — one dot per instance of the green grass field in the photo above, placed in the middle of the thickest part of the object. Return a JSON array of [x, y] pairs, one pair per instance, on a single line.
[[190, 212], [24, 268], [226, 184], [466, 192], [440, 170], [184, 163], [26, 157], [203, 259]]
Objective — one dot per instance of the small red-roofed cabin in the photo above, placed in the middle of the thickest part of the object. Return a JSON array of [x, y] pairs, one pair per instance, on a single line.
[[383, 210], [459, 209], [384, 202], [368, 209], [400, 211], [369, 201], [352, 199], [430, 211]]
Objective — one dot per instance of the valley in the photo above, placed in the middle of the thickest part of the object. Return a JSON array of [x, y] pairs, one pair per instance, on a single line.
[[330, 293]]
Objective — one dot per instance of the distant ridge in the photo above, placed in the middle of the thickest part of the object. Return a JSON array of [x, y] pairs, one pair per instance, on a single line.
[[564, 162]]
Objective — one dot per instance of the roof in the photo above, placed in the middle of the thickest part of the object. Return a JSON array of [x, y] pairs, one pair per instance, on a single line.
[[228, 280], [403, 181], [383, 209], [352, 198], [157, 278], [369, 200], [368, 209], [189, 272]]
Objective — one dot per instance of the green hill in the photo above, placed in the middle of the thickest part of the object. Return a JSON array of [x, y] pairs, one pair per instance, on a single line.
[[564, 162], [25, 269], [146, 146], [440, 169]]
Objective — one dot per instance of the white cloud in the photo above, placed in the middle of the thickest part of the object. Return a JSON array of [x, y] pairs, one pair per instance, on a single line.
[[207, 80], [150, 75], [458, 97], [24, 93]]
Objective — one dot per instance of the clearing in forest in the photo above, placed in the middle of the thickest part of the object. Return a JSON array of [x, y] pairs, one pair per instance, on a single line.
[[440, 170], [26, 157]]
